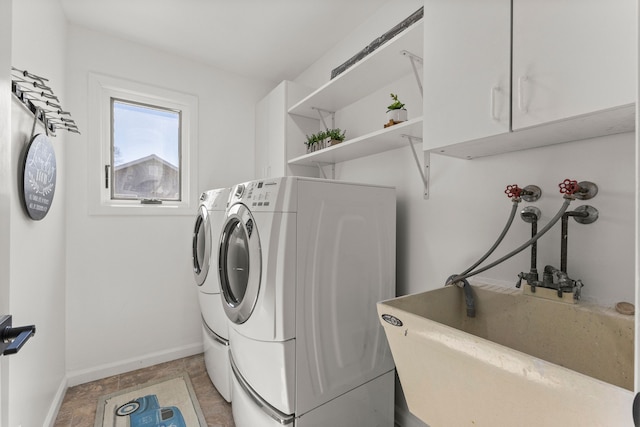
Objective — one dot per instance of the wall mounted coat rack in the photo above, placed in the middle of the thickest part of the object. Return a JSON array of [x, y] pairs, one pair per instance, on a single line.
[[38, 97], [38, 163]]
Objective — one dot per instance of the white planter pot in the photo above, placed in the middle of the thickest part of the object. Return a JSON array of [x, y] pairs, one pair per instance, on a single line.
[[397, 115]]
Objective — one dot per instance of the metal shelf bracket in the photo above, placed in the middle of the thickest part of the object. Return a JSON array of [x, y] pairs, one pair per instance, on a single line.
[[424, 174], [415, 59], [328, 113], [320, 168]]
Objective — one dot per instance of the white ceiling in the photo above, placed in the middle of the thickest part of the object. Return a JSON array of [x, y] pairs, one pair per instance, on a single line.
[[268, 39]]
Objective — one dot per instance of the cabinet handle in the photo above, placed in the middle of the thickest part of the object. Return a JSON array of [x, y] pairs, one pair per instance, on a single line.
[[521, 104], [494, 91]]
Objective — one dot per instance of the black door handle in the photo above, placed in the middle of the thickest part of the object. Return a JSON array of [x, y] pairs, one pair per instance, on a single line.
[[12, 339]]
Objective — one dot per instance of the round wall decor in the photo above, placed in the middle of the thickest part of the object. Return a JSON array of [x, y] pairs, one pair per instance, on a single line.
[[39, 177]]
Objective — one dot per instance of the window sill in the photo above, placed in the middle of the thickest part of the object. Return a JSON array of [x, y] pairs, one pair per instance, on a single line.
[[139, 209]]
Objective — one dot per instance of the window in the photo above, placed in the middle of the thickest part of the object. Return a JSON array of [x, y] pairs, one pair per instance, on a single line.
[[145, 162]]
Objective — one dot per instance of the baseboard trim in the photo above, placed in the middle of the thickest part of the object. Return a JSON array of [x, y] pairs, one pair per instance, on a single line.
[[50, 420], [404, 418], [102, 371]]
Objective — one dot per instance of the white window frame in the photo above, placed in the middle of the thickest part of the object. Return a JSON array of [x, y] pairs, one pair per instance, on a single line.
[[101, 90]]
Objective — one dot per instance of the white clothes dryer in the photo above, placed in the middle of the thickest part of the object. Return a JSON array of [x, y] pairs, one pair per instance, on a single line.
[[302, 264], [215, 325]]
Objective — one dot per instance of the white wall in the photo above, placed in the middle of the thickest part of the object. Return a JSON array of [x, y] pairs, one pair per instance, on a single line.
[[467, 208], [5, 190], [37, 248], [131, 296]]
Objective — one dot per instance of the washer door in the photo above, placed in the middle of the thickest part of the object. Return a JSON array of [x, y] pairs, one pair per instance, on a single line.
[[240, 263], [201, 246]]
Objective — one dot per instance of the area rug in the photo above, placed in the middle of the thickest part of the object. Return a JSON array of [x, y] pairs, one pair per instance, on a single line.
[[168, 401]]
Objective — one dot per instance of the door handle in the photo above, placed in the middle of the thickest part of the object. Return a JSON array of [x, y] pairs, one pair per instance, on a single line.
[[13, 339], [636, 410]]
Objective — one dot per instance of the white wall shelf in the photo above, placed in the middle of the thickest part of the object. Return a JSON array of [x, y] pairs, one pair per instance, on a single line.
[[383, 66], [376, 142]]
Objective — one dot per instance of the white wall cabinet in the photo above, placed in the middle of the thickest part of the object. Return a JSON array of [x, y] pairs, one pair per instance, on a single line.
[[547, 75], [467, 68], [572, 57], [280, 137]]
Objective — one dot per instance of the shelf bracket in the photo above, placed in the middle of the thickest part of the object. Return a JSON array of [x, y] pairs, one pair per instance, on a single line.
[[424, 174], [415, 59], [320, 168], [328, 113]]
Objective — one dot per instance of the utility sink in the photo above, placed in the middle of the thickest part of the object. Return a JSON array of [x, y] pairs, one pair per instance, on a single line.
[[522, 361]]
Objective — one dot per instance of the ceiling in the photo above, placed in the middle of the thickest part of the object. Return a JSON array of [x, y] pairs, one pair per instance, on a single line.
[[268, 39]]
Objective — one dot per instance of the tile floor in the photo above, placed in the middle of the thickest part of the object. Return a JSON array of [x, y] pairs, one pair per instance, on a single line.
[[79, 405]]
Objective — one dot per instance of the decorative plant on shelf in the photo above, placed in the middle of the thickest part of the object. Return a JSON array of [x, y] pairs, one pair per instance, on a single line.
[[322, 140], [397, 105], [311, 142], [318, 141], [396, 113], [336, 136]]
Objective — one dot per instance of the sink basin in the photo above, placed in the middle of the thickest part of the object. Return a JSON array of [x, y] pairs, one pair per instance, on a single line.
[[522, 361]]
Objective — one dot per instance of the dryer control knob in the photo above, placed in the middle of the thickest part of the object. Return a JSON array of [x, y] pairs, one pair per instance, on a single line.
[[239, 190]]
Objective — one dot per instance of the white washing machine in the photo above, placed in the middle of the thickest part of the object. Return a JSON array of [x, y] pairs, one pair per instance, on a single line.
[[215, 325], [303, 262]]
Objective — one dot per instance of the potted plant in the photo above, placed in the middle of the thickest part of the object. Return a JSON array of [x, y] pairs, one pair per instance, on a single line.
[[316, 141], [322, 140], [311, 142], [396, 113], [335, 136]]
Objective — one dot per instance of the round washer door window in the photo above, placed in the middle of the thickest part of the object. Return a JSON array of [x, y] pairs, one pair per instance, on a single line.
[[240, 264], [201, 246]]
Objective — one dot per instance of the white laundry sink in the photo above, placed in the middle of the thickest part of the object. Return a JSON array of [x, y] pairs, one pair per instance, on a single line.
[[522, 361]]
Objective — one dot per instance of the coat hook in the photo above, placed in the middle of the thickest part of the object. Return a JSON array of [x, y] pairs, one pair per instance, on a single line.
[[30, 75]]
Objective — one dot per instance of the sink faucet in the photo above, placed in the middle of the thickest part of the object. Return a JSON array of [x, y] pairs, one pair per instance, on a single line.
[[468, 294], [558, 278], [553, 278], [563, 283]]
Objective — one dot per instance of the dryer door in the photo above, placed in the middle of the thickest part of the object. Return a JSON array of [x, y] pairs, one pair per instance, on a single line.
[[240, 263], [201, 246]]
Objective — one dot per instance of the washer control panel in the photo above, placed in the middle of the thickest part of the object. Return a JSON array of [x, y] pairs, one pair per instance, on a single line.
[[257, 194]]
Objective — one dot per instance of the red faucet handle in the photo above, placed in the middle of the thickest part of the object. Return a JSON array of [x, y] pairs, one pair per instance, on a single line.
[[569, 187], [513, 191]]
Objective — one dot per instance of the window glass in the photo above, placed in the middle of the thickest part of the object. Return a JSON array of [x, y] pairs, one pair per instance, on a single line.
[[145, 147]]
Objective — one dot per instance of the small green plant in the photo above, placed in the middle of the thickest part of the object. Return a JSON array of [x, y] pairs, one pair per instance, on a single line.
[[336, 134], [317, 140], [396, 105], [311, 140]]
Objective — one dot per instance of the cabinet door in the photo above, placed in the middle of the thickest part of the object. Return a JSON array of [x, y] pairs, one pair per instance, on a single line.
[[261, 139], [277, 112], [571, 57], [270, 134], [467, 54]]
